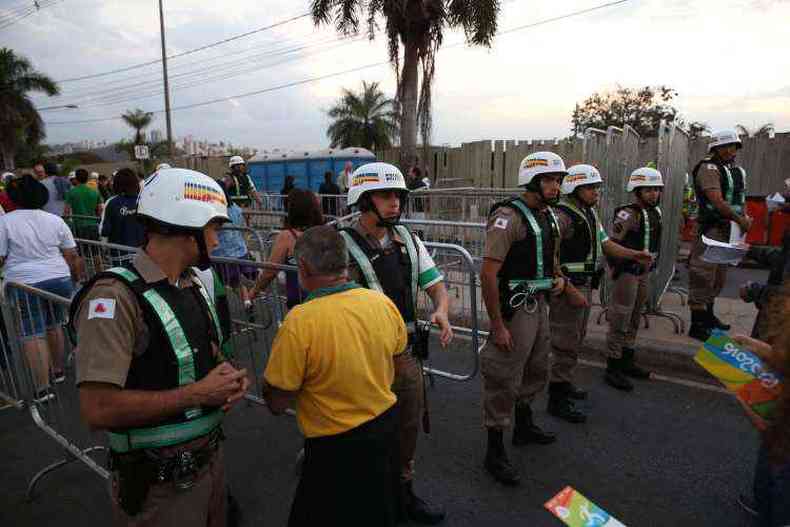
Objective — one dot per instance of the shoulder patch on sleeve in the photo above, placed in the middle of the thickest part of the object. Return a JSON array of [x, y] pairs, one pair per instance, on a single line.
[[623, 214], [711, 166], [501, 223], [101, 308]]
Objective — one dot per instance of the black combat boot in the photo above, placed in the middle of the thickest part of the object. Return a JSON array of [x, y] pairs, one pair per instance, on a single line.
[[714, 321], [615, 377], [700, 325], [561, 404], [417, 509], [497, 463], [526, 431], [630, 368]]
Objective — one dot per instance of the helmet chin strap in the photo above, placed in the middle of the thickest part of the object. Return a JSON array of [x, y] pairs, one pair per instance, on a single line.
[[204, 260], [383, 222], [644, 202]]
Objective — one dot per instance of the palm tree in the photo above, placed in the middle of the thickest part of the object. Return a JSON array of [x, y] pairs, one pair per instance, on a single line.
[[418, 26], [763, 131], [363, 119], [20, 122], [138, 120]]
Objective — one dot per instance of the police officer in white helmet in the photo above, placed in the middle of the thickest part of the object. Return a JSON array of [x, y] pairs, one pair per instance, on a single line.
[[386, 256], [239, 183], [584, 243], [637, 226], [520, 270], [150, 369], [720, 186]]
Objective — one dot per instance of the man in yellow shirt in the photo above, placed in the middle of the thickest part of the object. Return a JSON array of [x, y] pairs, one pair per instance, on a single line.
[[336, 354]]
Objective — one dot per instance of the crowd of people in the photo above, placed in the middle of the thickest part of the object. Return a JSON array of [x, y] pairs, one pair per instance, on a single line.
[[154, 369]]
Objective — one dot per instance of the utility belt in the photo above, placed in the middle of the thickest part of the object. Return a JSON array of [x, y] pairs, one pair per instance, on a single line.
[[582, 278], [138, 470], [523, 294], [419, 336], [633, 268]]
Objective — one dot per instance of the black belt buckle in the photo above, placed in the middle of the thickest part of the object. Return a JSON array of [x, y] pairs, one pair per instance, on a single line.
[[185, 469]]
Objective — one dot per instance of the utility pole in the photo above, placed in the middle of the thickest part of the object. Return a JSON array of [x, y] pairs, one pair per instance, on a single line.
[[167, 84]]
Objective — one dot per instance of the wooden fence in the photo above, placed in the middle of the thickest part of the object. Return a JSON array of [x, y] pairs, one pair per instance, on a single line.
[[494, 164]]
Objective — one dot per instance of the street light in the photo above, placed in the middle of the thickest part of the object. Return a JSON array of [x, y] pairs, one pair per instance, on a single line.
[[69, 106]]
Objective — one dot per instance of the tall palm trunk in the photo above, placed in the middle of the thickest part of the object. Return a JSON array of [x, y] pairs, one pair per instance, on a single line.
[[409, 96]]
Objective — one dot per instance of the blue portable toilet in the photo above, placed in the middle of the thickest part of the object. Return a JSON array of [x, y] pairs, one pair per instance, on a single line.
[[268, 171]]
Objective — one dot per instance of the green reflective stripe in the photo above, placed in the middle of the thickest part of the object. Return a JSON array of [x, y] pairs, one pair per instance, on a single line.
[[533, 223], [124, 273], [646, 237], [364, 263], [210, 302], [544, 284], [595, 237], [165, 435], [414, 256], [178, 341]]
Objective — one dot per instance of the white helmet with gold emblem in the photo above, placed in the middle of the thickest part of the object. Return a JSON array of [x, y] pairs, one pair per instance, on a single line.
[[375, 176]]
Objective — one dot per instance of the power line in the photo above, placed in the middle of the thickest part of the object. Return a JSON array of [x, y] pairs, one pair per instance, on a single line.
[[197, 78], [344, 72], [11, 18], [187, 52]]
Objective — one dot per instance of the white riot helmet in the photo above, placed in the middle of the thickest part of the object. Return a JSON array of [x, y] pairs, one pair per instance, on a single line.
[[538, 164], [580, 175], [94, 175], [7, 176], [724, 137], [235, 160], [180, 200], [375, 176], [644, 177], [162, 166]]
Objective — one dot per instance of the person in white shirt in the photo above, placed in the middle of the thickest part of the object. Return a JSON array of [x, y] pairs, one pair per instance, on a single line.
[[38, 249], [57, 187]]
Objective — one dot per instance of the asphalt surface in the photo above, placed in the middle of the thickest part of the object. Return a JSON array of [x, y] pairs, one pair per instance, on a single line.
[[667, 454], [736, 277]]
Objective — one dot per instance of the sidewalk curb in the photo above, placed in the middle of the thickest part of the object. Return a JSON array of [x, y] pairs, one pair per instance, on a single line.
[[664, 358]]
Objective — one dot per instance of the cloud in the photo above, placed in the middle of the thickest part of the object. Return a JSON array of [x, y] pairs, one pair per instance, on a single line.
[[728, 62]]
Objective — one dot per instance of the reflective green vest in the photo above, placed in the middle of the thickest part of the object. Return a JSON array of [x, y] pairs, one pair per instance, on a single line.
[[195, 422]]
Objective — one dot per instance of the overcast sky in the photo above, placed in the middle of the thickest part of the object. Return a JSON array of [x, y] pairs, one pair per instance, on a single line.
[[729, 61]]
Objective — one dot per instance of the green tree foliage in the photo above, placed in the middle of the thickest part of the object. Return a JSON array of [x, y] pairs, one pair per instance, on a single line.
[[365, 119], [20, 122], [642, 109], [139, 121], [414, 31]]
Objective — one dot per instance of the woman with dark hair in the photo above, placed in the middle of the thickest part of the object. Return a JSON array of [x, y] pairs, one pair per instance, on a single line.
[[304, 211], [38, 249], [119, 223]]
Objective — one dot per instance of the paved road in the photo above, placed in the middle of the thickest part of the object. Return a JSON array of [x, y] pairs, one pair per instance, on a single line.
[[667, 454], [736, 277]]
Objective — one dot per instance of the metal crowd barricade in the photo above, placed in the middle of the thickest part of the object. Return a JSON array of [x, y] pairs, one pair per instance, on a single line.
[[50, 397], [264, 220], [258, 245], [99, 256], [83, 226], [470, 236], [10, 383], [460, 276]]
